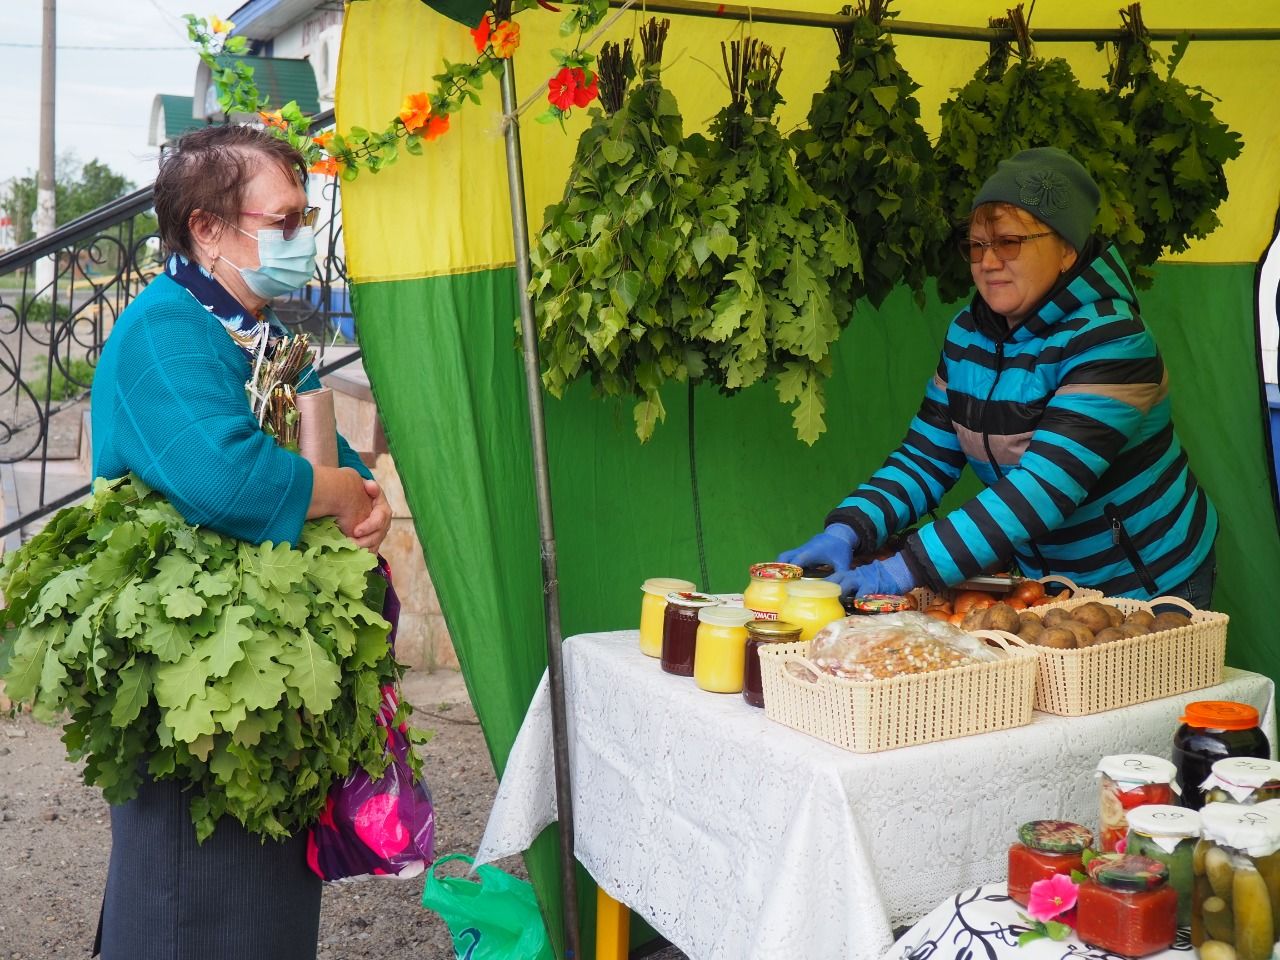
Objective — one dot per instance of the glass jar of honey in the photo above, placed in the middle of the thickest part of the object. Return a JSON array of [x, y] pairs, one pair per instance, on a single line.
[[811, 605], [719, 659], [1127, 907], [1245, 780], [652, 608], [761, 633], [680, 630], [767, 590], [1045, 847], [1125, 781]]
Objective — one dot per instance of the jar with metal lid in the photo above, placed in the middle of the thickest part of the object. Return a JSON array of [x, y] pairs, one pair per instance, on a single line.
[[767, 591], [811, 605], [1237, 878], [1245, 780], [870, 604], [680, 630], [1127, 907], [653, 606], [1125, 781], [1045, 847], [721, 653], [759, 634], [1213, 730], [1169, 834]]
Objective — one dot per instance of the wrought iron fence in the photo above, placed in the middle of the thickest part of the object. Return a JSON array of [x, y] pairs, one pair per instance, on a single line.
[[60, 296]]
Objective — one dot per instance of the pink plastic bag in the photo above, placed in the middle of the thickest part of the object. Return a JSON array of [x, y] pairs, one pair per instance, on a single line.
[[384, 827]]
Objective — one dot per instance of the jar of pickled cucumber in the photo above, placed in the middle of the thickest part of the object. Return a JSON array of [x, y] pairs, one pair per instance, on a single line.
[[1129, 780], [1168, 834], [1237, 880], [1246, 780]]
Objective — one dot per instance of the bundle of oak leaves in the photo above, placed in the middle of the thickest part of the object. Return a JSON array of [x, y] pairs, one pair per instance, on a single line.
[[251, 672]]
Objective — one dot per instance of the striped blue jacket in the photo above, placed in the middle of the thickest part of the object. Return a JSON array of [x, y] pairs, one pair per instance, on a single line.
[[1065, 418]]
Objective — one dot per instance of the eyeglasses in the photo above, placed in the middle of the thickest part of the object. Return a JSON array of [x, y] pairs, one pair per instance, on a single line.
[[1005, 248], [291, 222]]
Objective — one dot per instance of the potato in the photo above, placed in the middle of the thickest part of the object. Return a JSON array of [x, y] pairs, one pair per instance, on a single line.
[[1132, 629], [1055, 616], [1084, 636], [1031, 632], [1141, 618], [1029, 616], [1058, 638], [1091, 615], [1110, 634], [1169, 620], [1002, 617], [1115, 613], [975, 619]]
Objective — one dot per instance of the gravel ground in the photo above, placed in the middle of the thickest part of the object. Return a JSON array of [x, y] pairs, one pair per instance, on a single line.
[[55, 839]]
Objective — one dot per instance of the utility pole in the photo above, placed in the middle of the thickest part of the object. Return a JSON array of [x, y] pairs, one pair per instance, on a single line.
[[46, 205]]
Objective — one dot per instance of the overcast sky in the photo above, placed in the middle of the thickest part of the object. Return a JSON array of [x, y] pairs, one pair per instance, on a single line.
[[104, 95]]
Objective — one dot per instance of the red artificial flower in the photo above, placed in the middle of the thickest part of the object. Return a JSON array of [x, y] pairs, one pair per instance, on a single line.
[[436, 126], [584, 93], [480, 35], [561, 87]]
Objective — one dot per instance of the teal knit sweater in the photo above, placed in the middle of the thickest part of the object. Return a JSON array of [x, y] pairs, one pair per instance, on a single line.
[[169, 405]]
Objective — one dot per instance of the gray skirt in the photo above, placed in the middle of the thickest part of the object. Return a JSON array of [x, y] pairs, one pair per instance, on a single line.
[[231, 898]]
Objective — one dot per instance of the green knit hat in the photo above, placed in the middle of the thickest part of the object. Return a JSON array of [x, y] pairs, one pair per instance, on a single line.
[[1049, 184]]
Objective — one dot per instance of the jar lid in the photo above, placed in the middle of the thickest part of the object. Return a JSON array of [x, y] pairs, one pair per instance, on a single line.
[[775, 571], [1220, 715], [817, 571], [687, 598], [1164, 821], [1254, 830], [1137, 768], [725, 616], [882, 603], [1240, 776], [1055, 836], [661, 586], [813, 588], [773, 631], [1128, 872]]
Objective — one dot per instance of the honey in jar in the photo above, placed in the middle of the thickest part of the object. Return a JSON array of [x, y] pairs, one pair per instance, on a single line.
[[721, 650], [811, 605], [767, 591], [652, 608]]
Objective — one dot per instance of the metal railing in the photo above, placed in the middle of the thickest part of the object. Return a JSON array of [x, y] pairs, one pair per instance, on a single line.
[[52, 329]]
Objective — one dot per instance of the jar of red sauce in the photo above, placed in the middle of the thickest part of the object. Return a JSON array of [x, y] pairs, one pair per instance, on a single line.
[[1045, 847], [1129, 780], [680, 630], [761, 633], [1127, 907]]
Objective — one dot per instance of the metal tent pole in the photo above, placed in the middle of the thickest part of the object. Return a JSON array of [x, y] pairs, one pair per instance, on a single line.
[[803, 18], [546, 523]]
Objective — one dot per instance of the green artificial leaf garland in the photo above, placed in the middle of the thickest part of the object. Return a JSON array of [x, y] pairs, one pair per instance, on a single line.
[[1176, 177], [1033, 103], [252, 673], [865, 149], [789, 284]]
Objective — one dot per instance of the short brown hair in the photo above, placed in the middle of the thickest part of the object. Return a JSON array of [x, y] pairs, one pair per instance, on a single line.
[[208, 169]]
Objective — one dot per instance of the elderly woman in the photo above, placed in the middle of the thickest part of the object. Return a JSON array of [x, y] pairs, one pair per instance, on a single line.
[[1051, 387], [169, 405]]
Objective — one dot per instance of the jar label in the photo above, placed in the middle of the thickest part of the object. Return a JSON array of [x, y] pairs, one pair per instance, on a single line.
[[764, 614]]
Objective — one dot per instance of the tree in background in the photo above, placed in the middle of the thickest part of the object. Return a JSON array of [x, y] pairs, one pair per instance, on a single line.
[[79, 189]]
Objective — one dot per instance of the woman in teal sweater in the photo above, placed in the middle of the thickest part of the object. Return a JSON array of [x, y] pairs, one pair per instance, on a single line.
[[169, 404]]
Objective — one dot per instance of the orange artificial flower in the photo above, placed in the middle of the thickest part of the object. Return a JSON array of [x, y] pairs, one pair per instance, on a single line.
[[415, 111], [505, 39], [480, 35], [273, 119], [328, 167], [437, 126], [218, 26], [323, 140]]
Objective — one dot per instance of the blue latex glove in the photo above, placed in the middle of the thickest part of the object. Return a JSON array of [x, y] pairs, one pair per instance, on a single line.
[[836, 545], [878, 576]]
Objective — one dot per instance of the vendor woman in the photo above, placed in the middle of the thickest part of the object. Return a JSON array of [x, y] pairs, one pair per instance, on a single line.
[[1051, 387]]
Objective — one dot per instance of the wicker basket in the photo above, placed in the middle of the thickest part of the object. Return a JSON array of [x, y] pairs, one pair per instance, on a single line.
[[924, 596], [872, 715], [1074, 683]]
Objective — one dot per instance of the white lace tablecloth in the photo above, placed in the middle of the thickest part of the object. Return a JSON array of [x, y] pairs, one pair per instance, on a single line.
[[738, 838], [984, 922]]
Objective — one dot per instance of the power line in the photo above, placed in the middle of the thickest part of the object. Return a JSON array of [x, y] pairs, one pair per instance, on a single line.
[[36, 46]]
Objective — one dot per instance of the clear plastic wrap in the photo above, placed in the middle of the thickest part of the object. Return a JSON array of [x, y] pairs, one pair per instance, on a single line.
[[894, 645]]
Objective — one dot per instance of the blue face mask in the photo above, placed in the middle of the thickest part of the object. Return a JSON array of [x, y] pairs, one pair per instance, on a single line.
[[283, 265]]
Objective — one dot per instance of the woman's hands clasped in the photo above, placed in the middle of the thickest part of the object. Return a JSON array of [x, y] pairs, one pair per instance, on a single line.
[[370, 532]]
